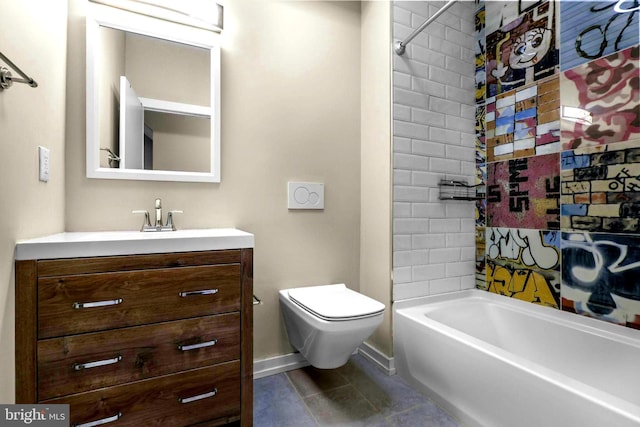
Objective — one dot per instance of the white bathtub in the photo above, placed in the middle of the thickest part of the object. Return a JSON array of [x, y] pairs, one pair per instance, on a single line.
[[493, 361]]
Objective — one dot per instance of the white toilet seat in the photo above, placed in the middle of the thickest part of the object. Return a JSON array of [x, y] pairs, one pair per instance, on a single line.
[[335, 302]]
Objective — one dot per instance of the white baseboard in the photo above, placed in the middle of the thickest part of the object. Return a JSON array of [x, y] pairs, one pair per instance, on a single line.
[[387, 364], [277, 364], [288, 362]]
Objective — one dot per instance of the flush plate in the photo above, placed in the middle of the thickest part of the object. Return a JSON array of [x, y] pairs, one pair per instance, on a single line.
[[306, 195]]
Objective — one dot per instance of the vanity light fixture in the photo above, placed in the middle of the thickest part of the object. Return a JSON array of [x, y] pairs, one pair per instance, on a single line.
[[206, 14]]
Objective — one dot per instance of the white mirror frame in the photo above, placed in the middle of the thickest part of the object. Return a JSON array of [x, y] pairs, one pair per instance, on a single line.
[[100, 15]]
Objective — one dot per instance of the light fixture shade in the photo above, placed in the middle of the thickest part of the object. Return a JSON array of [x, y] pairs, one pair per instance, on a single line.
[[205, 14]]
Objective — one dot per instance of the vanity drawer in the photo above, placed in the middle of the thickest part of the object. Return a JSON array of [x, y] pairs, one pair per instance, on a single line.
[[93, 302], [173, 400], [83, 362]]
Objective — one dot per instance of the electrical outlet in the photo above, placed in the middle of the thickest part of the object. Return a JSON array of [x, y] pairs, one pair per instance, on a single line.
[[44, 163]]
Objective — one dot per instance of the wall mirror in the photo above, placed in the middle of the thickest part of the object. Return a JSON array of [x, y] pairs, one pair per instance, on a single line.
[[153, 106]]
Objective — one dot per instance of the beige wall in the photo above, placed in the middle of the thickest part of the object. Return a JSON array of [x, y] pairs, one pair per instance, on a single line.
[[180, 142], [290, 111], [29, 117], [169, 71], [375, 177]]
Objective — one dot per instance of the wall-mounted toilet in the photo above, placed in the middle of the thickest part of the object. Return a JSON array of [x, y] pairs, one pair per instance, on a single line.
[[327, 323]]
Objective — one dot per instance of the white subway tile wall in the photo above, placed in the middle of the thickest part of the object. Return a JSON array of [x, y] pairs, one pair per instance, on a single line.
[[434, 128]]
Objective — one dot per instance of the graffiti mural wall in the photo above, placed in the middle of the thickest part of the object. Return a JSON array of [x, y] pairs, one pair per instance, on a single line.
[[523, 50], [523, 122], [593, 29], [600, 276], [524, 264], [558, 154], [601, 188], [608, 89], [524, 191]]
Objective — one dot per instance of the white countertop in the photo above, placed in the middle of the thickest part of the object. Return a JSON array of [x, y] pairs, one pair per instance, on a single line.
[[107, 243]]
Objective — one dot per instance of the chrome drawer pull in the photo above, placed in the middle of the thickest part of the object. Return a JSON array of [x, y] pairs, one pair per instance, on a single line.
[[81, 366], [199, 345], [198, 397], [78, 305], [200, 292], [116, 417]]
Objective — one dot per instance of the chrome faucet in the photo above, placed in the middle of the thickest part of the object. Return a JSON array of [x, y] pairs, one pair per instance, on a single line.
[[158, 213], [169, 226]]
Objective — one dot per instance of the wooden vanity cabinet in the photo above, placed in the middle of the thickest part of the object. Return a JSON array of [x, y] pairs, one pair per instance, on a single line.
[[153, 340]]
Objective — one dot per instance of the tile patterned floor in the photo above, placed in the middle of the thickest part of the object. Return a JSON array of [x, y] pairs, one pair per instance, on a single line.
[[357, 394]]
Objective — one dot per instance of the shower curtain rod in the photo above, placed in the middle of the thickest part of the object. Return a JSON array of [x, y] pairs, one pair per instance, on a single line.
[[399, 47], [6, 79]]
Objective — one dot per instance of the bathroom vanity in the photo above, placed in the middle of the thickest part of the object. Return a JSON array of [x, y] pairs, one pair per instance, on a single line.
[[134, 329]]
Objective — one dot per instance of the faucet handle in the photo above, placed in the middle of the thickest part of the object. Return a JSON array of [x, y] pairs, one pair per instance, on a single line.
[[147, 219], [170, 219]]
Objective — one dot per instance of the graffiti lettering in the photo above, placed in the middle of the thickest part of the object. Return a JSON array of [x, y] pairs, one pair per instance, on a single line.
[[631, 186], [493, 194], [518, 199], [619, 180], [523, 264], [552, 187], [526, 285], [575, 187], [596, 260], [525, 246], [623, 173], [618, 6], [515, 167], [603, 33]]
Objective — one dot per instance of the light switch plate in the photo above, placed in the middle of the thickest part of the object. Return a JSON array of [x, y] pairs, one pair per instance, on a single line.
[[306, 195], [43, 163]]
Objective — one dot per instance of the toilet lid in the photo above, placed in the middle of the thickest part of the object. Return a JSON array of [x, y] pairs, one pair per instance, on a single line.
[[335, 302]]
